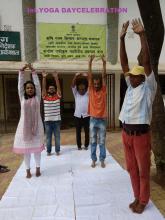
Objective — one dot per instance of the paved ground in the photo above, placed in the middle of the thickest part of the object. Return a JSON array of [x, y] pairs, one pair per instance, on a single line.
[[114, 146]]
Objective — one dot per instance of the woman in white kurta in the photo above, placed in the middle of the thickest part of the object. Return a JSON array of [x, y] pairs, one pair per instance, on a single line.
[[29, 137]]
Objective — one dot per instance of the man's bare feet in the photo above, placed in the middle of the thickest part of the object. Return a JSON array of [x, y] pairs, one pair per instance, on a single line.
[[28, 174], [102, 164], [58, 153], [38, 173], [93, 164], [134, 204], [139, 208]]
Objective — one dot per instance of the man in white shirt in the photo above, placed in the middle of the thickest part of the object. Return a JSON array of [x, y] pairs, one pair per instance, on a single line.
[[79, 89], [135, 115]]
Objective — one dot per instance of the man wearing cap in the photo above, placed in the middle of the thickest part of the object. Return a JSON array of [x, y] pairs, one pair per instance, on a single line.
[[136, 116]]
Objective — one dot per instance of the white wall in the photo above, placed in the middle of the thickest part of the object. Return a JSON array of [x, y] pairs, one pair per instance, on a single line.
[[81, 18], [132, 40], [11, 14]]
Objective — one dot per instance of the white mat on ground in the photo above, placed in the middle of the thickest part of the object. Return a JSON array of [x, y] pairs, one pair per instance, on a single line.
[[69, 189]]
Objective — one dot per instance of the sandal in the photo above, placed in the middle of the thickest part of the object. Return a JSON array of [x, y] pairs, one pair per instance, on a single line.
[[3, 169]]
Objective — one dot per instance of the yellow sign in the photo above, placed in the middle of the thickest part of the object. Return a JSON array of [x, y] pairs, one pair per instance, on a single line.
[[71, 41]]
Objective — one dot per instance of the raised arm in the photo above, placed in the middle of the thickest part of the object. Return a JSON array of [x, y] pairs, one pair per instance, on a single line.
[[44, 74], [36, 81], [104, 70], [123, 54], [74, 79], [145, 55], [55, 76], [90, 69], [21, 81]]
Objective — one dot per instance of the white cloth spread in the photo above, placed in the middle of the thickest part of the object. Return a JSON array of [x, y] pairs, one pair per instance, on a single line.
[[70, 189]]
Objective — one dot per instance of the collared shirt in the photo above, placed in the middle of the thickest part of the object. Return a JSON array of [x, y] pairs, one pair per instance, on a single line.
[[52, 108], [81, 103], [137, 106]]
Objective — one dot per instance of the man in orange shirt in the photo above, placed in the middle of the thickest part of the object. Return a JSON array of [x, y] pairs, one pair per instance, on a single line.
[[97, 112]]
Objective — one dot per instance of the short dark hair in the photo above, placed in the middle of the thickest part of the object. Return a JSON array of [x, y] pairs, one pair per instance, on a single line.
[[51, 84], [97, 77], [82, 81], [25, 84]]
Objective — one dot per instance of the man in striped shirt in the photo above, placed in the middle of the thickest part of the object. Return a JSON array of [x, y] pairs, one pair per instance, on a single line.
[[51, 96], [136, 116]]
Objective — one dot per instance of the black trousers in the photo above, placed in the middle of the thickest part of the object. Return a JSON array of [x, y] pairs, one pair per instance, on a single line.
[[82, 123]]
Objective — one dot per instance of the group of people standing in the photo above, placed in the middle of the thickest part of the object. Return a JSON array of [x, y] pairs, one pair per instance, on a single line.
[[90, 110], [90, 113]]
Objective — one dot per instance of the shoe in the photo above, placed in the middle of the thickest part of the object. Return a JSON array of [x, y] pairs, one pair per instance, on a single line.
[[86, 148], [4, 169], [79, 148], [49, 154], [139, 208], [93, 165], [58, 153], [134, 204], [2, 166], [102, 164]]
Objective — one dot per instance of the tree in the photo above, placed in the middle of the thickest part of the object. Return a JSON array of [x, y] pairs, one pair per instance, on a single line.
[[152, 18]]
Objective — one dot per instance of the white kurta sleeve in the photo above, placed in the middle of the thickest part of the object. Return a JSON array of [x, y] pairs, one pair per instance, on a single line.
[[37, 84], [21, 84]]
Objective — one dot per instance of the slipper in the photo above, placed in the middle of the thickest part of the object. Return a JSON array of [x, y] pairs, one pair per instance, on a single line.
[[4, 169], [3, 166]]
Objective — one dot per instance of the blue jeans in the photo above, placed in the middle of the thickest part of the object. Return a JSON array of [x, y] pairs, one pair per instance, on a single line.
[[97, 130], [50, 128]]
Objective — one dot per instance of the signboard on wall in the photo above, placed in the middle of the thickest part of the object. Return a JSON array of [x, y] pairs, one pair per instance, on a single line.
[[71, 41], [10, 49]]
